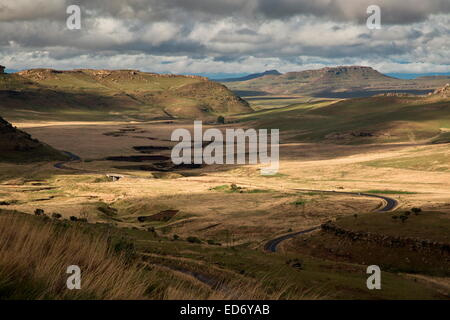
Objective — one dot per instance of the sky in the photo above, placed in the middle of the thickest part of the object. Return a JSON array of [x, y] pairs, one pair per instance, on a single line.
[[216, 37]]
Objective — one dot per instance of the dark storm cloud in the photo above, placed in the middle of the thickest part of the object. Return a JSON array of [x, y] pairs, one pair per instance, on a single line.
[[394, 11], [225, 32]]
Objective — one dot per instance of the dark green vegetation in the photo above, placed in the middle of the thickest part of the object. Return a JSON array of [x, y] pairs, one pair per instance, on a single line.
[[46, 94], [409, 241], [339, 82], [19, 147]]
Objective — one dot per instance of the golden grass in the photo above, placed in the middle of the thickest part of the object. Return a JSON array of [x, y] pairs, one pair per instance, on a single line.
[[34, 258], [35, 254]]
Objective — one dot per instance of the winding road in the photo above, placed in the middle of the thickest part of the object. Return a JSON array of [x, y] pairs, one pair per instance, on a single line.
[[388, 205], [72, 157], [271, 246]]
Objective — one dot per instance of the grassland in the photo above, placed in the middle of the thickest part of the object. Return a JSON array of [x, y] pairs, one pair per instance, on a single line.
[[92, 95], [196, 232], [383, 119]]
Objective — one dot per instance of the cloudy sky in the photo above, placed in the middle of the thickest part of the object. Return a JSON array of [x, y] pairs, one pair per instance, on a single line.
[[226, 36]]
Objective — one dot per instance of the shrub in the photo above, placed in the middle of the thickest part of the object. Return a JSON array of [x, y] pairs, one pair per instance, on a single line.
[[39, 212], [220, 120], [193, 240], [299, 202], [56, 215], [176, 237], [73, 218], [416, 210]]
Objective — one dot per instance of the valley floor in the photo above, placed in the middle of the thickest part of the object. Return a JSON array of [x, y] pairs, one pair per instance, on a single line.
[[212, 222]]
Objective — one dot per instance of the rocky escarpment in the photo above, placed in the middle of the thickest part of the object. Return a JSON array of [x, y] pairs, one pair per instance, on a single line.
[[388, 241]]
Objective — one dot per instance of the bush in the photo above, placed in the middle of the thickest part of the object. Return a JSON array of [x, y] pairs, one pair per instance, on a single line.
[[56, 215], [299, 202], [39, 212], [220, 120], [73, 218], [176, 237], [416, 210], [193, 240]]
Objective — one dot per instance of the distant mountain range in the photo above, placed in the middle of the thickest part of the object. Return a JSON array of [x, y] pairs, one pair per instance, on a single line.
[[337, 82], [251, 76]]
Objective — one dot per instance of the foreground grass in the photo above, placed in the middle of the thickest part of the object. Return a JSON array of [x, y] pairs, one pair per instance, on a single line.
[[34, 256], [35, 253]]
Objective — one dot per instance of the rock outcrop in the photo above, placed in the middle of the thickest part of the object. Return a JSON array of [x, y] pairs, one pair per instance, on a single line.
[[387, 241], [444, 91]]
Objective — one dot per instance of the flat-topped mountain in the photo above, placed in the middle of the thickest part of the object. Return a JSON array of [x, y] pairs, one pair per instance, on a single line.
[[19, 146], [336, 82], [87, 94]]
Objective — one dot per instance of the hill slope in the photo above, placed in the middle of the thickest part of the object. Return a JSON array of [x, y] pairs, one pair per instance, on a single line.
[[120, 94], [386, 118], [339, 82], [251, 76], [19, 146]]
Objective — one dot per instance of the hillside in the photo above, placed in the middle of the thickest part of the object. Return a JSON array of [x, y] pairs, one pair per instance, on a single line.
[[88, 94], [19, 146], [383, 118], [251, 76], [339, 82]]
